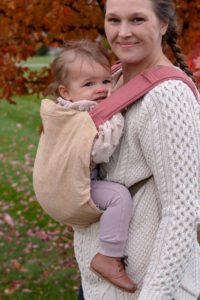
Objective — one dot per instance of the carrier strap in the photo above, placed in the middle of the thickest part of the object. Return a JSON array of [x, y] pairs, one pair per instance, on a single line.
[[135, 89]]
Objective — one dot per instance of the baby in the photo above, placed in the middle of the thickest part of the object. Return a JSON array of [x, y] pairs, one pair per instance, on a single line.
[[82, 79]]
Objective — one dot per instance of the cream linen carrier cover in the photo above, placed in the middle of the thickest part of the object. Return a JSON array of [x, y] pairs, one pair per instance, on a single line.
[[61, 188]]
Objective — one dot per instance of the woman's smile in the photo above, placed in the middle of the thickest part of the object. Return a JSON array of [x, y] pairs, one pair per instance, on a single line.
[[127, 45]]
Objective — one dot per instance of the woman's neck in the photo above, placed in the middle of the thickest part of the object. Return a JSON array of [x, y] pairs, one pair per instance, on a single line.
[[131, 70]]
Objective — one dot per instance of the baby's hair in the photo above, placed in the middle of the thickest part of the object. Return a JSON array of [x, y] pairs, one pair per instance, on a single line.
[[84, 49]]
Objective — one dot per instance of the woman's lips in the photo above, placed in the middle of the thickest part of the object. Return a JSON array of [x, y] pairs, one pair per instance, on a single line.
[[127, 45]]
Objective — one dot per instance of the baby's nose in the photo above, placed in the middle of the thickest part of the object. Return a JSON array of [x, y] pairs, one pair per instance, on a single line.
[[101, 89]]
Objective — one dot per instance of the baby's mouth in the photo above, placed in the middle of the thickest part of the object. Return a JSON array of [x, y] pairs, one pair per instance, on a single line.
[[99, 99]]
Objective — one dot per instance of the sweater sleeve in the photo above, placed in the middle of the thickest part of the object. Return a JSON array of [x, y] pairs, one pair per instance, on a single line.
[[169, 141], [108, 139]]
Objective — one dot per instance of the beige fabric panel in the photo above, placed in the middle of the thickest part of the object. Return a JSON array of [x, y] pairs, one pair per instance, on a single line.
[[61, 175]]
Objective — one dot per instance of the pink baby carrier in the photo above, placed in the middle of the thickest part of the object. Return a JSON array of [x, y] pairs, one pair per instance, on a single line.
[[61, 174]]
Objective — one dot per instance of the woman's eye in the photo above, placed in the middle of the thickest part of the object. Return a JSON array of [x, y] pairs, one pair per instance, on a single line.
[[113, 20], [137, 20]]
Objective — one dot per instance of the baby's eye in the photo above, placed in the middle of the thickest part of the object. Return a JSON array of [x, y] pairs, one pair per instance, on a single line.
[[107, 81], [89, 83]]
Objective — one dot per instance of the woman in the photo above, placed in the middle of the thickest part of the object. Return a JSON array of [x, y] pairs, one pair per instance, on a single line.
[[158, 159]]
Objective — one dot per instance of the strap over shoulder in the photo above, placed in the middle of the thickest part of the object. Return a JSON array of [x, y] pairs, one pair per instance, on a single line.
[[135, 89]]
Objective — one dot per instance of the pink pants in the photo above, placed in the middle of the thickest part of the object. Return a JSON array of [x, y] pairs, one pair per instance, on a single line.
[[116, 201]]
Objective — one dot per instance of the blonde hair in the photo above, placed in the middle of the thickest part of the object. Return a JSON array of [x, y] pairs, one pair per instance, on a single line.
[[60, 66]]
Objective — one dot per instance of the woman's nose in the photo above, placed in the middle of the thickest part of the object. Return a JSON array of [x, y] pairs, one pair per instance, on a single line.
[[124, 30]]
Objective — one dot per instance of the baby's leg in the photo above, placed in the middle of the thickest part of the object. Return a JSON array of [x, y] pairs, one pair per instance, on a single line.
[[116, 200]]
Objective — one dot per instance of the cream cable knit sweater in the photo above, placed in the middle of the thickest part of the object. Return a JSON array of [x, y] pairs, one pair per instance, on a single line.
[[160, 142]]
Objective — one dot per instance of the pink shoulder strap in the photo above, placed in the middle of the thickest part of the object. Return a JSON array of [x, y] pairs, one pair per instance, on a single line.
[[135, 89]]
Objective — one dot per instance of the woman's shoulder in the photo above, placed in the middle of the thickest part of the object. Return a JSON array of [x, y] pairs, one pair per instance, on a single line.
[[170, 91], [167, 98], [167, 91]]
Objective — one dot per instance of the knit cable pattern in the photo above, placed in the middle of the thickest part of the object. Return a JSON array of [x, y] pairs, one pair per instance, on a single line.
[[175, 163], [161, 139]]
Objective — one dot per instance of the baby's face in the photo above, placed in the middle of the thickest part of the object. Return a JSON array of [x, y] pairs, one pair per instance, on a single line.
[[88, 80]]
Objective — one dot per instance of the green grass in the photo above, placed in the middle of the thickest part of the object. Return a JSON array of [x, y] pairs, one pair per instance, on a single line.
[[37, 62], [40, 59], [36, 254]]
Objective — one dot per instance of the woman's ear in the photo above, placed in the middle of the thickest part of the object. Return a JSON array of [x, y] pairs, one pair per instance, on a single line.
[[163, 27], [64, 93]]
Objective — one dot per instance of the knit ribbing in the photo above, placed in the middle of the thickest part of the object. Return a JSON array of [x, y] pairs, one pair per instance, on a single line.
[[160, 140]]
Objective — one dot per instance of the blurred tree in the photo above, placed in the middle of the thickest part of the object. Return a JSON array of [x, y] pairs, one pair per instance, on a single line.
[[26, 26]]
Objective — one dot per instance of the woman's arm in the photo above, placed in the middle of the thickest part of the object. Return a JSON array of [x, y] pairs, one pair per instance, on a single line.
[[169, 140]]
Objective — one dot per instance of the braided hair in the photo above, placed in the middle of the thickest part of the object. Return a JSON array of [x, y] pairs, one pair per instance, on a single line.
[[165, 10]]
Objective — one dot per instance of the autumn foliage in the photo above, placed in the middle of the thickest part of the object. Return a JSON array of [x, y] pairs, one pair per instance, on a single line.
[[28, 25]]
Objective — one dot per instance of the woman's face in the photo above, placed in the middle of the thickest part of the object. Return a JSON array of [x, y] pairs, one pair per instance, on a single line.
[[133, 30]]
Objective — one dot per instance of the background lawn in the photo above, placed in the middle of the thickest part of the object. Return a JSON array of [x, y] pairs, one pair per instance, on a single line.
[[36, 254], [38, 62]]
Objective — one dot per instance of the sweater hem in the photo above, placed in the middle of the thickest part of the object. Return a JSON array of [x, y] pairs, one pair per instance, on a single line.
[[181, 294]]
